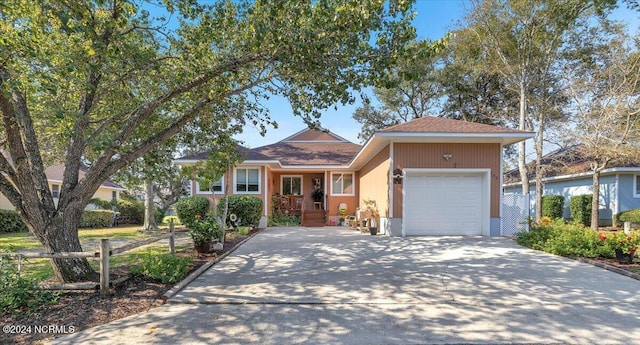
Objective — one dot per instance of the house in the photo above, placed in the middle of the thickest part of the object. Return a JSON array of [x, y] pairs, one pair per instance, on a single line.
[[108, 190], [568, 173], [429, 176]]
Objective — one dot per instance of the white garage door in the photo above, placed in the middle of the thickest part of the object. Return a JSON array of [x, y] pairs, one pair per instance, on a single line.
[[443, 204]]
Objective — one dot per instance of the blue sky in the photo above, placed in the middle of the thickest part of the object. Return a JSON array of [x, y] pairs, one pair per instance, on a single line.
[[434, 19]]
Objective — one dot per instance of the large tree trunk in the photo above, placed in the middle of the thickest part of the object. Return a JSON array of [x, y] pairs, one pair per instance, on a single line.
[[522, 157], [149, 208], [595, 203], [62, 236]]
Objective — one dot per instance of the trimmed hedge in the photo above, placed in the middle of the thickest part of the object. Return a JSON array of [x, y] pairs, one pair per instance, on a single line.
[[247, 208], [96, 219], [187, 209], [565, 239], [552, 206], [632, 216], [581, 208], [10, 221]]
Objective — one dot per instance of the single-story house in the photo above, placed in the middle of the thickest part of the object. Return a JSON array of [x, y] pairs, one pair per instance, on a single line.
[[429, 176], [568, 173], [107, 191]]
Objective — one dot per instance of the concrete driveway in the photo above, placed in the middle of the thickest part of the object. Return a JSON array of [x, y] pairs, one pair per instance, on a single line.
[[336, 286]]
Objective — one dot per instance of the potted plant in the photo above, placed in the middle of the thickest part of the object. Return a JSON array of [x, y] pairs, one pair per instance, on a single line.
[[203, 232], [372, 206], [624, 245]]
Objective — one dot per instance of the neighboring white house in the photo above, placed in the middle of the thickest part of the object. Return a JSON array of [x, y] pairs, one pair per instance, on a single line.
[[569, 174], [108, 191]]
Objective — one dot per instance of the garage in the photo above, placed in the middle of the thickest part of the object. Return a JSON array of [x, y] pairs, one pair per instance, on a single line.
[[445, 202]]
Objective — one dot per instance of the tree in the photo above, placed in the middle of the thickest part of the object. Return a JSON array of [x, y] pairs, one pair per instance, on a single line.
[[522, 41], [603, 81], [407, 92], [104, 83]]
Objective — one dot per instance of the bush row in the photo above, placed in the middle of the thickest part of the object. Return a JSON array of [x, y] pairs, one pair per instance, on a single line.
[[246, 208], [579, 205], [565, 239]]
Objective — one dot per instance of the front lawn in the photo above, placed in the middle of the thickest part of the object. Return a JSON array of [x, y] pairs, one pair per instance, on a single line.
[[40, 269]]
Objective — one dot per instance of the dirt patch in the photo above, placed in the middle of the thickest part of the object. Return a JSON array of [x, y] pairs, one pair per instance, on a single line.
[[79, 310]]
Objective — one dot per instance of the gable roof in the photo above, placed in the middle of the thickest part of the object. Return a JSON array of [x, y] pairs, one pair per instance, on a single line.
[[564, 163], [311, 147]]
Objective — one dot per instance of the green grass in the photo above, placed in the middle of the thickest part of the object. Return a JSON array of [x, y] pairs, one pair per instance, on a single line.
[[40, 269]]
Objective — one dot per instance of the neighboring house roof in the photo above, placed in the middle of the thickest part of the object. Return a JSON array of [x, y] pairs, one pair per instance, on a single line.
[[565, 163], [55, 173]]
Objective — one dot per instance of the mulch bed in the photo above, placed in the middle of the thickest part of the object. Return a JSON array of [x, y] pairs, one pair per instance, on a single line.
[[79, 310]]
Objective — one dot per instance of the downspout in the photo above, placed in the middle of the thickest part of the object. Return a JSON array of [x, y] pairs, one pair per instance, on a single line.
[[391, 180]]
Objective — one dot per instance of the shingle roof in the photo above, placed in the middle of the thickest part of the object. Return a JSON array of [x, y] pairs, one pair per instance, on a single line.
[[247, 154], [310, 153], [429, 124]]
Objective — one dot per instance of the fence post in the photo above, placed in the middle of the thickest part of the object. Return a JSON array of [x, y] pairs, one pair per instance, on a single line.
[[19, 264], [172, 241], [104, 267]]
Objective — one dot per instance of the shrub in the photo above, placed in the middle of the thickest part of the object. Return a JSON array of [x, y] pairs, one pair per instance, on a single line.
[[96, 219], [187, 209], [10, 221], [19, 295], [632, 216], [284, 220], [581, 208], [566, 240], [552, 206], [131, 211], [247, 208], [166, 268], [176, 220]]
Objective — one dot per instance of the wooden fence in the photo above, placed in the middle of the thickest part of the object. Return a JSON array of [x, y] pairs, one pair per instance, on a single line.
[[104, 254]]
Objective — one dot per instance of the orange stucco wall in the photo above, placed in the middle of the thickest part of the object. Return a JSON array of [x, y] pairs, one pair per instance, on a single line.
[[374, 181], [486, 156]]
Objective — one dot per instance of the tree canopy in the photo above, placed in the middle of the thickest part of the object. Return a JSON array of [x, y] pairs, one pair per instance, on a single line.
[[102, 83]]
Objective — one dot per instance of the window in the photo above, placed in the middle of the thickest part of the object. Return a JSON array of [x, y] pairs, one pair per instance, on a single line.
[[55, 191], [114, 195], [636, 186], [247, 180], [342, 184], [291, 185], [205, 189]]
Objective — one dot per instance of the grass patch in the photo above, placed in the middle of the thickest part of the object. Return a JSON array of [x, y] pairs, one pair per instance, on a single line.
[[40, 269]]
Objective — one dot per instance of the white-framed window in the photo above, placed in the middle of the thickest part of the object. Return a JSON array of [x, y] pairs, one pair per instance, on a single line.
[[114, 195], [291, 185], [218, 187], [636, 186], [342, 184], [55, 191], [247, 181]]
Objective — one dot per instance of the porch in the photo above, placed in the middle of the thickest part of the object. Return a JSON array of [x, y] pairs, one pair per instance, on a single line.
[[295, 205]]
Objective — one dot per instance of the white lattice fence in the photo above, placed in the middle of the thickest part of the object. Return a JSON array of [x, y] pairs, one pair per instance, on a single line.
[[515, 214]]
